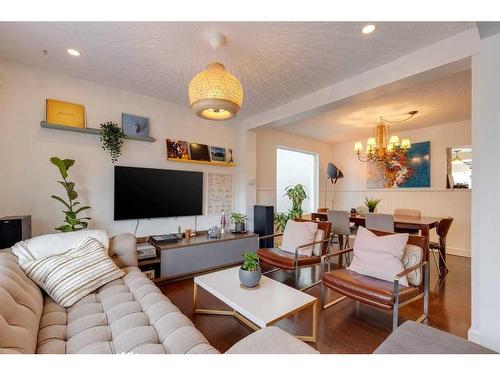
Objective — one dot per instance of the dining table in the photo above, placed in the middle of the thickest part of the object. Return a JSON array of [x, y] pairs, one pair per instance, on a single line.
[[424, 224]]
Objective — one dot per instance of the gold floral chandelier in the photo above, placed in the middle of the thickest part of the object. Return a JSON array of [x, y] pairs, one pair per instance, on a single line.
[[215, 94], [383, 147]]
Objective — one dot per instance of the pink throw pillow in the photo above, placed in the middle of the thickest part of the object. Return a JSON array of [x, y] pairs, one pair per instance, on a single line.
[[379, 256], [299, 233]]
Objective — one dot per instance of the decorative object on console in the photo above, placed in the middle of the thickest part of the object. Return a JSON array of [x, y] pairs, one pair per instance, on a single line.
[[214, 232], [217, 153], [14, 229], [230, 158], [332, 174], [73, 223], [239, 222], [199, 151], [112, 139], [383, 147], [135, 125], [177, 149], [250, 272], [64, 114], [215, 94], [371, 204], [408, 170], [297, 195]]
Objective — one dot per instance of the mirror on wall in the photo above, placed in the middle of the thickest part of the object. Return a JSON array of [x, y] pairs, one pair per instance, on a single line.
[[459, 167]]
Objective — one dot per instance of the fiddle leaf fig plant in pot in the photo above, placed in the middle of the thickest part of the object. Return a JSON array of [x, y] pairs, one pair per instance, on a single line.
[[239, 221], [250, 272]]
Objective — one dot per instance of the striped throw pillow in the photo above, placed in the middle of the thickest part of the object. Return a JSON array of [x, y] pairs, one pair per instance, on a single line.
[[69, 276]]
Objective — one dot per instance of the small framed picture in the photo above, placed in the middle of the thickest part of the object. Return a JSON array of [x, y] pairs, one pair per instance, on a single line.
[[177, 149], [217, 153], [135, 125], [199, 151]]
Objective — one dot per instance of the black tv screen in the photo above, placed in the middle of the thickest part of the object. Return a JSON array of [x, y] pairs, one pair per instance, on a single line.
[[144, 193]]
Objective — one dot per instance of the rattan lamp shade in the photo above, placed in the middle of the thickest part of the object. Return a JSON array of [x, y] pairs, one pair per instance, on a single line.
[[215, 94]]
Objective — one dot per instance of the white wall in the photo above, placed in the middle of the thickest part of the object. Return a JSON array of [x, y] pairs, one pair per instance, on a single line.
[[435, 201], [268, 140], [485, 327], [27, 179]]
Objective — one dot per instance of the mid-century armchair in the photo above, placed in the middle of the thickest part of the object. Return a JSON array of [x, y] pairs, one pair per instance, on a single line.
[[282, 260], [375, 292]]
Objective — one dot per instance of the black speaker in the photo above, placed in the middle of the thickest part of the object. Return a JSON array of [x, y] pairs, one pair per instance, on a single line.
[[263, 225], [14, 229]]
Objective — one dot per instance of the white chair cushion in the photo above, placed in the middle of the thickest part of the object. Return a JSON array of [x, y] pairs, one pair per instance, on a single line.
[[379, 256], [298, 233], [69, 276]]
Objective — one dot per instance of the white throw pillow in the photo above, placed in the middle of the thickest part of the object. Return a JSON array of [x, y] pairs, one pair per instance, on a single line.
[[51, 244], [379, 256], [298, 233], [71, 275]]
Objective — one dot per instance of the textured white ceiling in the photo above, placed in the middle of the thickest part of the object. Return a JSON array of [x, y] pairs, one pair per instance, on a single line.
[[276, 61], [440, 101]]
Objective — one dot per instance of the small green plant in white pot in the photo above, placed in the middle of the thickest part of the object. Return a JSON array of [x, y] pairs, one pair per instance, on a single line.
[[250, 272], [239, 221]]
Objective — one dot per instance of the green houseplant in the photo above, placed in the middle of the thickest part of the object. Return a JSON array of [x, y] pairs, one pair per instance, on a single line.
[[250, 272], [297, 194], [112, 139], [239, 221], [372, 203], [73, 223]]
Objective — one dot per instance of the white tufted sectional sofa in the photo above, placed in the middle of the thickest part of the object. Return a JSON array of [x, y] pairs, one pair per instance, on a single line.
[[128, 315]]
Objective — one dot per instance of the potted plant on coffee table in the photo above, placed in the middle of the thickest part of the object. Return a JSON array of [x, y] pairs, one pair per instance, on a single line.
[[239, 222], [250, 272]]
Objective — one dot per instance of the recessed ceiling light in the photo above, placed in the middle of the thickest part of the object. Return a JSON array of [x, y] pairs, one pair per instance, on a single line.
[[73, 52], [368, 29]]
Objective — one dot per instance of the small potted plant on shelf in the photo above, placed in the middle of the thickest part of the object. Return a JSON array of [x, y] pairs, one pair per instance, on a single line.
[[250, 272], [371, 203], [239, 222]]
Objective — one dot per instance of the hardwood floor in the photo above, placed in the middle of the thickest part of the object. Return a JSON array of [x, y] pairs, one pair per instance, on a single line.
[[347, 327]]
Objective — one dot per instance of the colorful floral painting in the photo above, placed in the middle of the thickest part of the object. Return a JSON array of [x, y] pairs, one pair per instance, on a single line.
[[408, 170]]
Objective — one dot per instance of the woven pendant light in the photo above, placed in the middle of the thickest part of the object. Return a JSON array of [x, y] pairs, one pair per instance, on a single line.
[[215, 94]]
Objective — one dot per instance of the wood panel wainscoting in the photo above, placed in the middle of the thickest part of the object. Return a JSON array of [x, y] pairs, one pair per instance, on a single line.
[[347, 327]]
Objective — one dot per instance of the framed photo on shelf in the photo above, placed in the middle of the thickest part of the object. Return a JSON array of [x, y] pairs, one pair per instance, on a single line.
[[135, 125], [199, 152], [177, 149], [64, 113], [218, 153]]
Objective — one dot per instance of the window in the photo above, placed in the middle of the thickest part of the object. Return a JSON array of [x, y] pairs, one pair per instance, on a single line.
[[460, 166], [296, 167]]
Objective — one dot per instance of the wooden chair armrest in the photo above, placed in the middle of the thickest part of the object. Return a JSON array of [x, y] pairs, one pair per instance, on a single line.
[[340, 252], [270, 236], [311, 244], [409, 270]]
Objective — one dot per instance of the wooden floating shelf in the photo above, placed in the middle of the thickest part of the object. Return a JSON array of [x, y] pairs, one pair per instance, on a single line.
[[94, 131], [218, 163]]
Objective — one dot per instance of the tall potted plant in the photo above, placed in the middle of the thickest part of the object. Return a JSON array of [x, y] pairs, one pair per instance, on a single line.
[[250, 272], [297, 194], [73, 207]]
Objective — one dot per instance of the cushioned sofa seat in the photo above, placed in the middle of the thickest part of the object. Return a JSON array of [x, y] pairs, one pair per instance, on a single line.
[[128, 315]]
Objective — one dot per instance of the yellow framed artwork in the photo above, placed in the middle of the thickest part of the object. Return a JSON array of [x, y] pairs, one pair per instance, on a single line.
[[63, 113]]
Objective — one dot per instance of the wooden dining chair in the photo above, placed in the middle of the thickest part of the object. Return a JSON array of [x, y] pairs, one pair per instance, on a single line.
[[283, 260], [410, 213], [442, 230]]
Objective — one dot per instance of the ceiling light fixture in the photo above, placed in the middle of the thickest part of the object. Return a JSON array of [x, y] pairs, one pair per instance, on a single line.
[[215, 94], [368, 29], [73, 52], [383, 147]]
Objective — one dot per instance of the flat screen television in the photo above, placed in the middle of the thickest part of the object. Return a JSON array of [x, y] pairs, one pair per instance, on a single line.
[[145, 193]]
